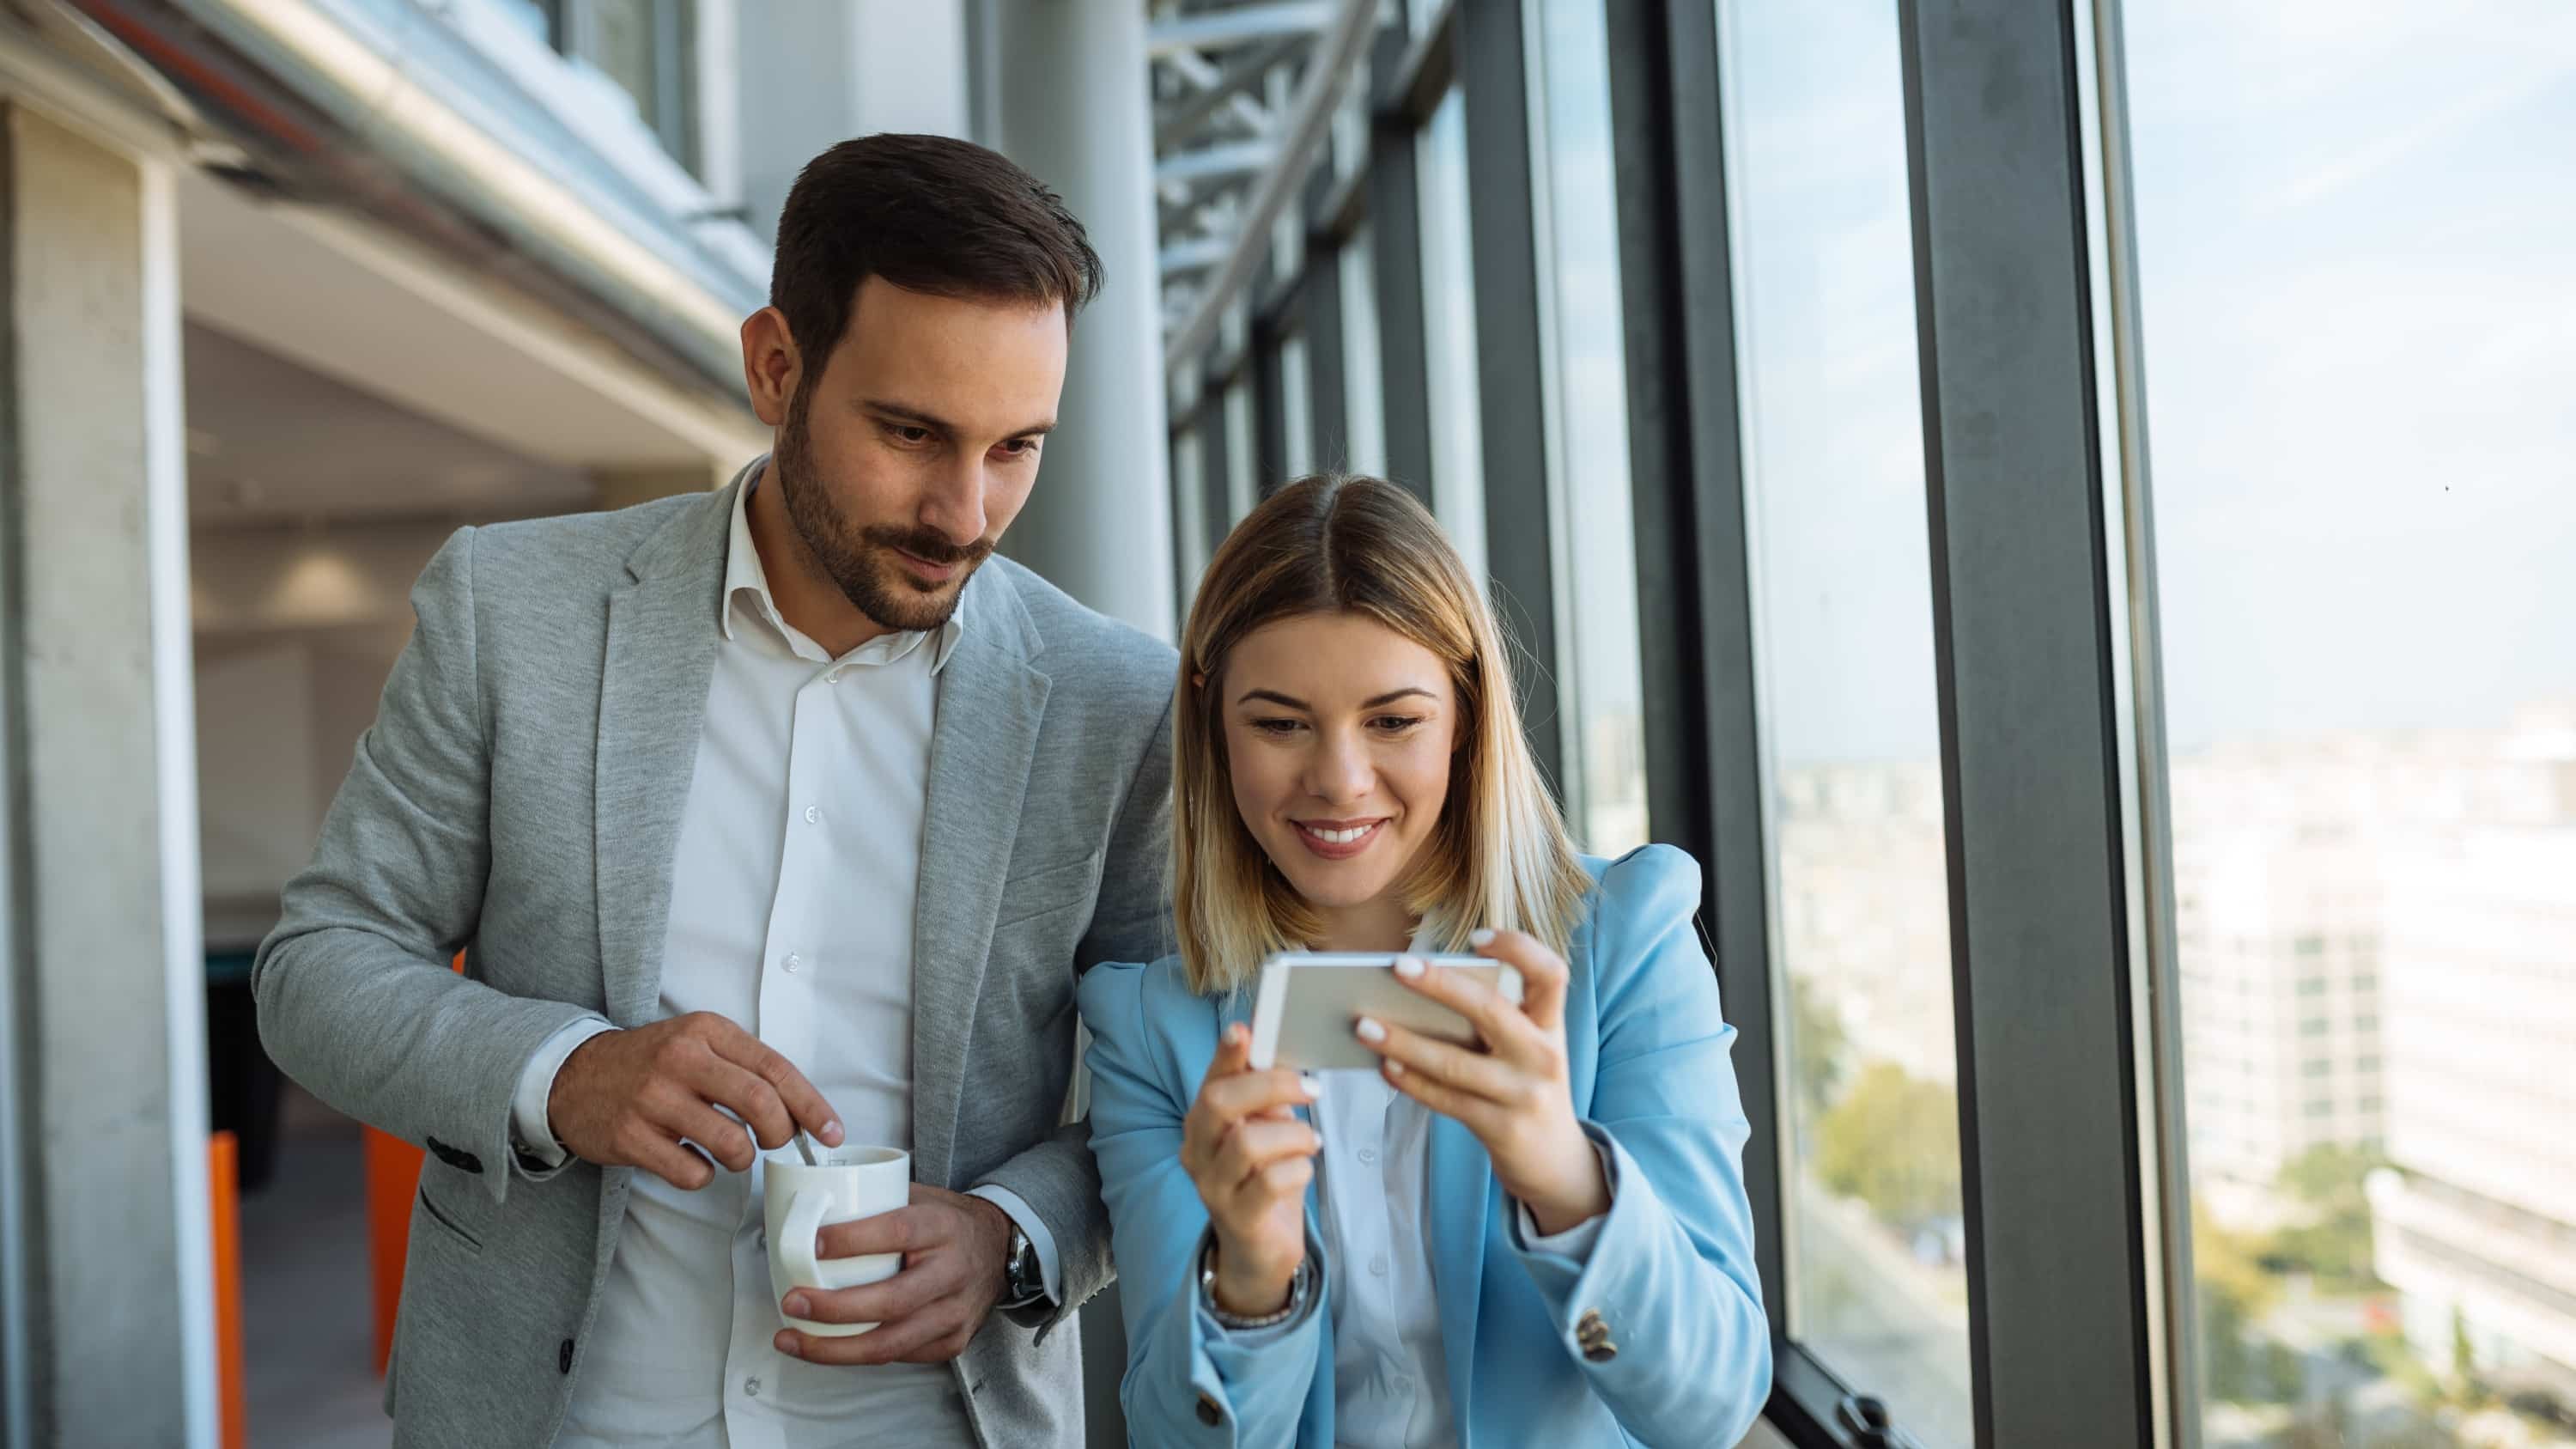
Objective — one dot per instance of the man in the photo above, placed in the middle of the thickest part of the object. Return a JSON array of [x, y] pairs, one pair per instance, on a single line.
[[782, 806]]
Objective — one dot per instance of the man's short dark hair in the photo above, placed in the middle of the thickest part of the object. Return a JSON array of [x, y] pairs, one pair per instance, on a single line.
[[929, 214]]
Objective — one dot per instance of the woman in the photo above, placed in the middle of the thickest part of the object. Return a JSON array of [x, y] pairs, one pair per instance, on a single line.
[[1543, 1242]]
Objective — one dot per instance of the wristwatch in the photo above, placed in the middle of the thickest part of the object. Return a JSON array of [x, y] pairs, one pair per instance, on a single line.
[[1023, 1276]]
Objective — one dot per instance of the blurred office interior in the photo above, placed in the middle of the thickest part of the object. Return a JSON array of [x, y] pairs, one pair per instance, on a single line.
[[2065, 508]]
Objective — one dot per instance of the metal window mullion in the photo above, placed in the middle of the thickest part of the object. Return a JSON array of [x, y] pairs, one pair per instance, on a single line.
[[2021, 617], [1269, 410], [1510, 376], [1216, 465], [1395, 236], [1320, 305], [1694, 598]]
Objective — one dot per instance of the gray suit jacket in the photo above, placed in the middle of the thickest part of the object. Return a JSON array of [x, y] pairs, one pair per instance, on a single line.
[[519, 797]]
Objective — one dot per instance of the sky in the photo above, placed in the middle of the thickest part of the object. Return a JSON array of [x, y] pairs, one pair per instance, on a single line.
[[2357, 245]]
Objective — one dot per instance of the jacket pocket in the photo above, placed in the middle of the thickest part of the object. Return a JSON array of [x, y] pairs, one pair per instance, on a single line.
[[1049, 889], [430, 1209]]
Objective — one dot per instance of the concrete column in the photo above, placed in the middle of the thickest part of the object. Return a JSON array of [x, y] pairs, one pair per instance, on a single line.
[[1073, 107], [99, 890]]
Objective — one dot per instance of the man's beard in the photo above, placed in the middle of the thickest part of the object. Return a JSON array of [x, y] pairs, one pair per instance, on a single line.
[[860, 560]]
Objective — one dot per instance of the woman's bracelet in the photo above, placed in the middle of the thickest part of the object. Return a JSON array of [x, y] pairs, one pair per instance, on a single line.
[[1235, 1321]]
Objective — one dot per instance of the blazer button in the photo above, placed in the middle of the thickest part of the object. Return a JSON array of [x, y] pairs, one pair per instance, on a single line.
[[1209, 1413], [1590, 1323], [1600, 1350], [563, 1357]]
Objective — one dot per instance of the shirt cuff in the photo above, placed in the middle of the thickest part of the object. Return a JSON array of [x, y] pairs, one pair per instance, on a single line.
[[1575, 1243], [1050, 1271], [534, 1150]]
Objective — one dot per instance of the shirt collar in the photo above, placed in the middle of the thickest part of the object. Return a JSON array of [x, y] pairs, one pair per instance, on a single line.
[[746, 585]]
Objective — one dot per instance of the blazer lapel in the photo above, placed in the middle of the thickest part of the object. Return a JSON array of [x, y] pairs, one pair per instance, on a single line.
[[991, 700], [662, 635], [1462, 1190]]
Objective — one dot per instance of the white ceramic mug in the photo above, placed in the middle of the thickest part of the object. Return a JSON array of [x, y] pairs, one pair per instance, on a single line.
[[798, 1202]]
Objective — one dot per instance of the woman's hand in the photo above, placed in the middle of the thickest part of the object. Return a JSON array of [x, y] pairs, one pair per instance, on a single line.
[[1251, 1159], [1513, 1094]]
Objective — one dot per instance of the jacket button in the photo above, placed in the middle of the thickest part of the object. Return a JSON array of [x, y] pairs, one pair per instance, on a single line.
[[1600, 1350], [1209, 1413], [563, 1357]]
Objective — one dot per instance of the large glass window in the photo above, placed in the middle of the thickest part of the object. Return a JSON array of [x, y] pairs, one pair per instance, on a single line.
[[1851, 736], [1296, 408], [1449, 324], [1189, 515], [1592, 510], [1242, 450], [649, 48], [2360, 343], [1363, 366]]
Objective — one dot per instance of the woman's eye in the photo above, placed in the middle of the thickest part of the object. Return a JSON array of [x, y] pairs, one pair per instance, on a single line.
[[1394, 724], [1276, 726]]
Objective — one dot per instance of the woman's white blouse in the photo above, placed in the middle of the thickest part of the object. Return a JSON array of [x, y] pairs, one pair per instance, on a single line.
[[1373, 1185]]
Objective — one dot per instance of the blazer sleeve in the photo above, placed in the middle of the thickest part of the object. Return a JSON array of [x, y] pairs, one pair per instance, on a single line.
[[1186, 1381], [1669, 1283], [355, 996], [1131, 913]]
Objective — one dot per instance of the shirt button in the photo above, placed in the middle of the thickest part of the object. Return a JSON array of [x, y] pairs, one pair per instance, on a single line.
[[794, 962], [1368, 1155], [762, 1240], [1377, 1267], [832, 678], [812, 814], [751, 1387]]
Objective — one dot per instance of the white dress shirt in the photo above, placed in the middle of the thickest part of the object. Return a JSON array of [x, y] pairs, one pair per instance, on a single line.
[[792, 897], [1390, 1379]]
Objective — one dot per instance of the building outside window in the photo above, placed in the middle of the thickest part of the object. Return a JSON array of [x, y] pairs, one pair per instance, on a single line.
[[2359, 345]]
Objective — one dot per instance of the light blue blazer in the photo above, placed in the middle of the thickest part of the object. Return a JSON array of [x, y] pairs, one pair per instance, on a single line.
[[1670, 1276]]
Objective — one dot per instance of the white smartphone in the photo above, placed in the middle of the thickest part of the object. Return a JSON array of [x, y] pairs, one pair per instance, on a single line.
[[1309, 1001]]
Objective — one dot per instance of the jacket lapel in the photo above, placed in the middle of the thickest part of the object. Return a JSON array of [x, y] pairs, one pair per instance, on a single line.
[[1462, 1191], [662, 634], [991, 700]]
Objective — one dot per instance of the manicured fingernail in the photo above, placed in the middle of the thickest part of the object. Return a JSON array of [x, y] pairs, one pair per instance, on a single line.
[[1312, 1083], [1394, 1068], [1481, 936], [831, 1134], [1369, 1030], [1408, 965], [796, 1305], [1237, 1033]]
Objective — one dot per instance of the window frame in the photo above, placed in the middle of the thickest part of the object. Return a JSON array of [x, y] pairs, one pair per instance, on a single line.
[[2079, 1322], [2070, 1336]]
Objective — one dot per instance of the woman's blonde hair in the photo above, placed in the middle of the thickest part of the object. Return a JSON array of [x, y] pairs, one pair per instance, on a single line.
[[1500, 855]]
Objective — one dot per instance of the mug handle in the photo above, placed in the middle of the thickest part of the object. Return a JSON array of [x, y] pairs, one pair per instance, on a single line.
[[797, 1236]]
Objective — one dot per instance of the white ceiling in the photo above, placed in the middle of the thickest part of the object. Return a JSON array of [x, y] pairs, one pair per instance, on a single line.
[[345, 298], [270, 439]]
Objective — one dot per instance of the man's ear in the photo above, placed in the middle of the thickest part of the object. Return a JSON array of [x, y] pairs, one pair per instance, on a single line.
[[771, 365]]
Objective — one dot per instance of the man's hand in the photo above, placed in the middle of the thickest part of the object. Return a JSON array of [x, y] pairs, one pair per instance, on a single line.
[[954, 1248], [626, 1098]]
